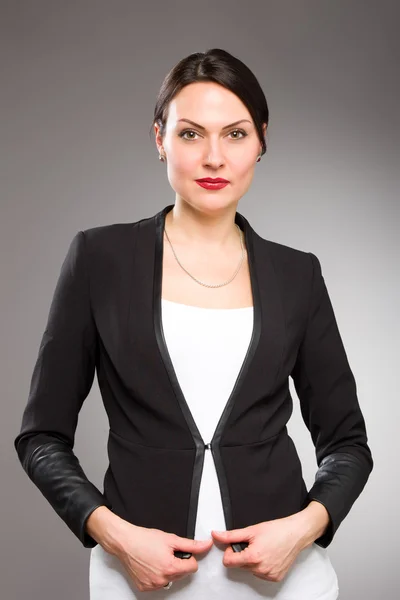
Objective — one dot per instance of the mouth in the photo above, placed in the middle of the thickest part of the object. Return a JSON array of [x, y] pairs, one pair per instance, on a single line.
[[211, 180], [212, 185]]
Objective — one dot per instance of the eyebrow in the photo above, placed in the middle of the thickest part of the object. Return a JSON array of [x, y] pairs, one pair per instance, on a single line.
[[203, 128]]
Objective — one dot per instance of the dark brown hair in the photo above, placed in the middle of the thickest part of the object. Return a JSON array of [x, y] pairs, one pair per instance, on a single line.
[[218, 66]]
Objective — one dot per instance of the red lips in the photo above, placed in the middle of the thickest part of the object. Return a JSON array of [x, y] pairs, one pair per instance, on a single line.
[[211, 180]]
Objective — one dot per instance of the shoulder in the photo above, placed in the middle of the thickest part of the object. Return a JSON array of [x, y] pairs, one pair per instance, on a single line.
[[114, 239], [294, 271], [112, 232], [297, 272], [285, 258]]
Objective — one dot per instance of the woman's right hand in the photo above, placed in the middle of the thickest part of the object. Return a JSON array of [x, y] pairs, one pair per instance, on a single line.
[[148, 555]]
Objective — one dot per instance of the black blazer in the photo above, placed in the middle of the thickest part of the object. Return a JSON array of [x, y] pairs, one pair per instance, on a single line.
[[105, 317]]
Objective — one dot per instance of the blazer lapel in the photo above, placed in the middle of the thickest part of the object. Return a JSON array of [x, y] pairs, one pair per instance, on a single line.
[[262, 360]]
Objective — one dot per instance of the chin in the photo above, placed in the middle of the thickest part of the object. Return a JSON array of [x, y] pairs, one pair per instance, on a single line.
[[212, 204]]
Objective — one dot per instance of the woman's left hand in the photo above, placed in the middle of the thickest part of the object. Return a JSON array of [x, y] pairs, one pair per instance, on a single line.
[[273, 545]]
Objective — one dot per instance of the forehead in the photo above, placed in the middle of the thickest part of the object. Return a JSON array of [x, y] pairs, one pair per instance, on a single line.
[[207, 102]]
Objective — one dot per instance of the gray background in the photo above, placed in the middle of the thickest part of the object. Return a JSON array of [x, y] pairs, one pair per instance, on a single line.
[[79, 82]]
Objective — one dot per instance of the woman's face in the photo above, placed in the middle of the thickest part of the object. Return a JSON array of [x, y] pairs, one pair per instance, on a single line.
[[209, 148]]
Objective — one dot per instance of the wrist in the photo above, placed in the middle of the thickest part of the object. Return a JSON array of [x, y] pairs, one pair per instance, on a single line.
[[104, 527], [314, 520]]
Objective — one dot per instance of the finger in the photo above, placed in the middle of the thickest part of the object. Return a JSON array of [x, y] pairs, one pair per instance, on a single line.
[[232, 535], [188, 545], [238, 559], [182, 568]]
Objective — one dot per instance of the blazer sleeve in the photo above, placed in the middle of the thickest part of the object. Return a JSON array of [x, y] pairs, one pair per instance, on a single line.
[[61, 380], [327, 392]]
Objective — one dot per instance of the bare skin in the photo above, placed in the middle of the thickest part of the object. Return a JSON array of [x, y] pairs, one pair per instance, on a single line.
[[209, 266], [147, 554]]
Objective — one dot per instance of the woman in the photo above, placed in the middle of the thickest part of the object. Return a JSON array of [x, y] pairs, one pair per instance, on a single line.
[[193, 323]]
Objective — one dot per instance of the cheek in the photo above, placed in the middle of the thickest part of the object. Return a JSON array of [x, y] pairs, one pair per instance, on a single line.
[[183, 165], [243, 168]]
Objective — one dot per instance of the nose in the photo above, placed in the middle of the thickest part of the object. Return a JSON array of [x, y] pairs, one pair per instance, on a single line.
[[214, 156]]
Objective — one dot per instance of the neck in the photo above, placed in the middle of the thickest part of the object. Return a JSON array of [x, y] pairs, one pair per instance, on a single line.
[[189, 225]]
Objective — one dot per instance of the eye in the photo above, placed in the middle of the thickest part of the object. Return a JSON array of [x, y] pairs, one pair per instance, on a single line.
[[239, 131], [183, 133]]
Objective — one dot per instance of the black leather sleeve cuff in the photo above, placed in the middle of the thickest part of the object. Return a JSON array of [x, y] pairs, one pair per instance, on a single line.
[[55, 470], [339, 481]]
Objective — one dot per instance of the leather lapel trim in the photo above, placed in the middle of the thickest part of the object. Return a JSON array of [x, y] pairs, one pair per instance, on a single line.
[[157, 315], [255, 338], [157, 288], [268, 336], [198, 440]]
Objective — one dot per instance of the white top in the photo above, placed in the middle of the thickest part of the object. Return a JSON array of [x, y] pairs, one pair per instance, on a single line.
[[207, 347]]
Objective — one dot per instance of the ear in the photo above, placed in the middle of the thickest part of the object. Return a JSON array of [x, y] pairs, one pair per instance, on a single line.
[[158, 138], [265, 125]]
